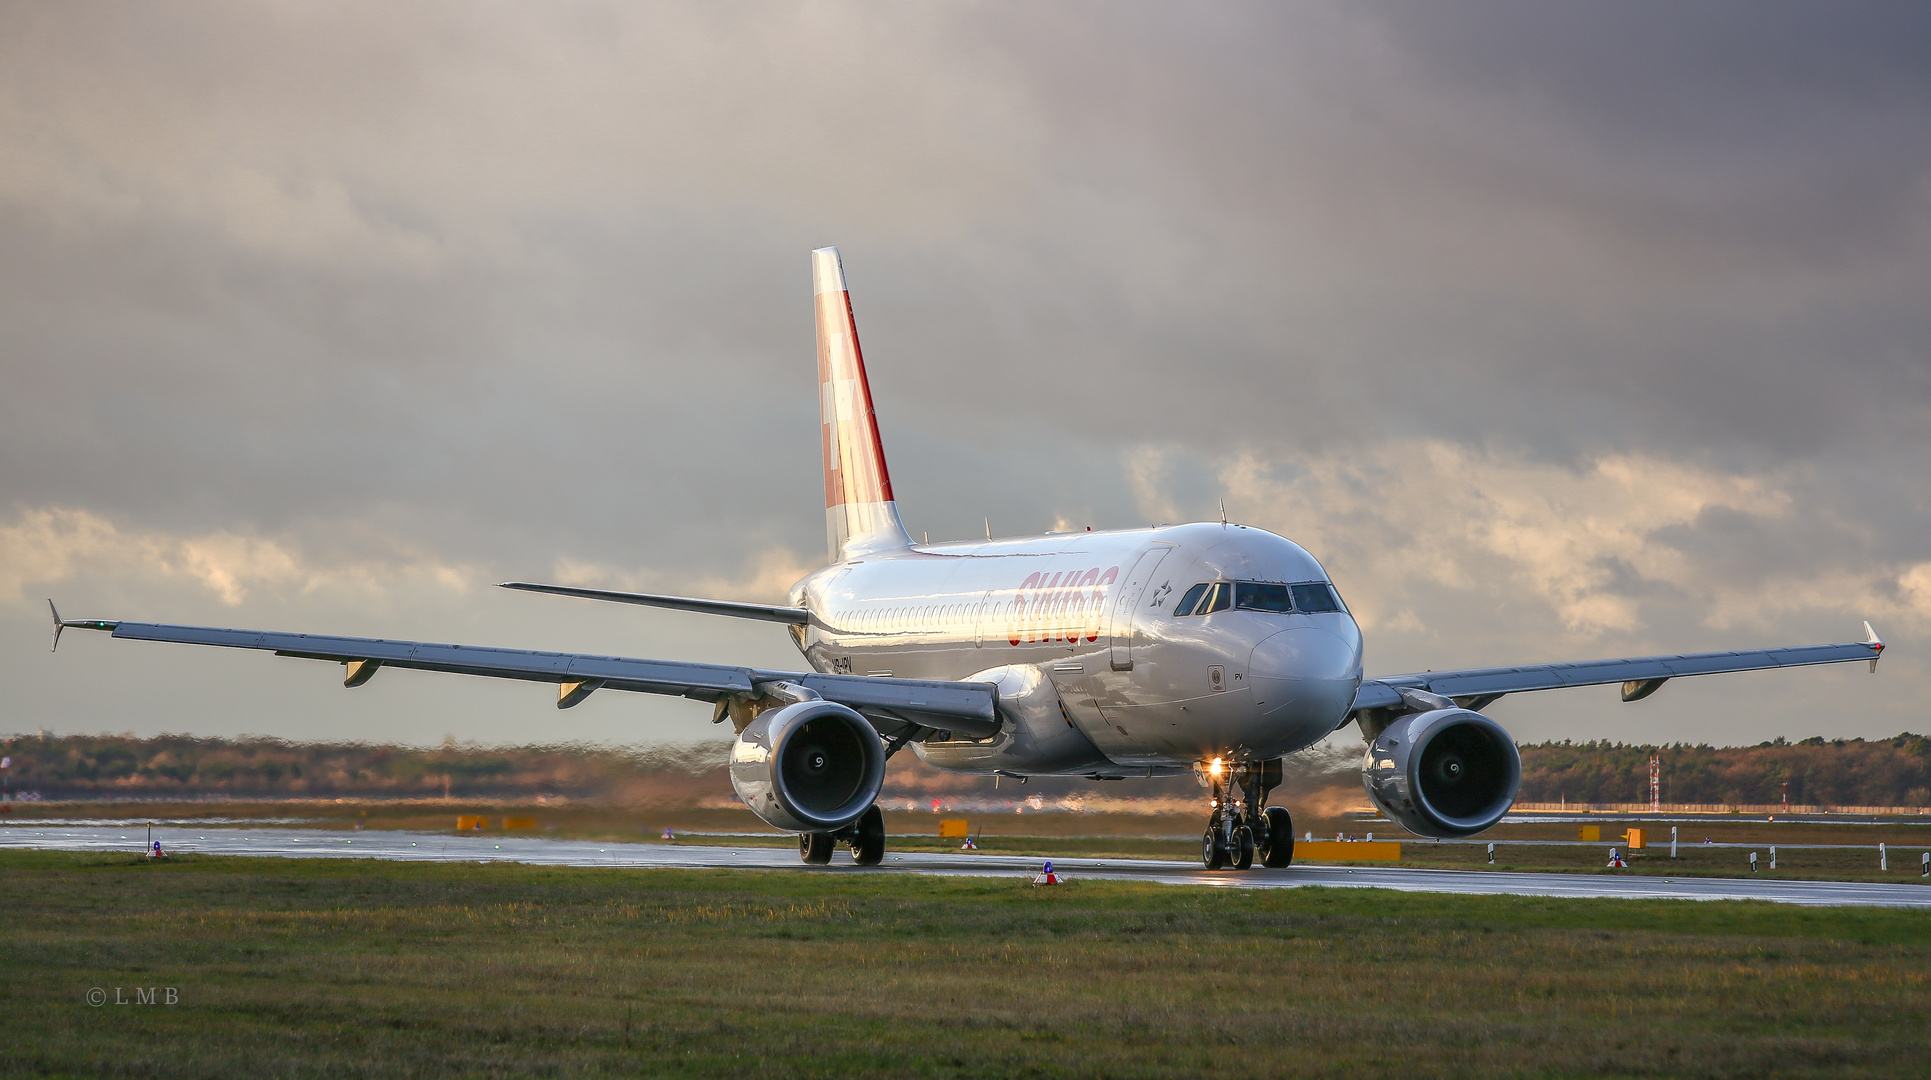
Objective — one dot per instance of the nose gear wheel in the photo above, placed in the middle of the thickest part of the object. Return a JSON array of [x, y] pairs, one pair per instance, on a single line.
[[1242, 825], [1212, 856]]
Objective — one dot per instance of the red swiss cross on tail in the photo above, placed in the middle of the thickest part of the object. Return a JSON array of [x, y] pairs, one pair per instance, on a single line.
[[860, 514]]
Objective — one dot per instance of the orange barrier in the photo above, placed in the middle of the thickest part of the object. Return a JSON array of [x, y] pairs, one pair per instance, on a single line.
[[953, 829], [471, 823], [1343, 851], [519, 823]]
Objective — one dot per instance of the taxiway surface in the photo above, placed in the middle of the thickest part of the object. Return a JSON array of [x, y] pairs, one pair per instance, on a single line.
[[436, 847]]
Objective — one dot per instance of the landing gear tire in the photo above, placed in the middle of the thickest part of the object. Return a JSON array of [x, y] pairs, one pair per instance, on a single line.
[[815, 847], [868, 842], [1211, 854], [1243, 853], [1242, 825], [1277, 841]]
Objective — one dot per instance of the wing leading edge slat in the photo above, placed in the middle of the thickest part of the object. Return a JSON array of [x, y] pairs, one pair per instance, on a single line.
[[968, 710], [1479, 682]]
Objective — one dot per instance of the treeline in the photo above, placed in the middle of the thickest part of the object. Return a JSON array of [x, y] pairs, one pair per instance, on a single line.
[[122, 766], [1814, 772]]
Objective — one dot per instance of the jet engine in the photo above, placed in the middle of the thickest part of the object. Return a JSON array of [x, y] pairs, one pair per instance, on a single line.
[[811, 766], [1443, 773]]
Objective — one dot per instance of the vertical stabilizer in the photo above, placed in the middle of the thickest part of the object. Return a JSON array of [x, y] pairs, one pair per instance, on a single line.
[[860, 515]]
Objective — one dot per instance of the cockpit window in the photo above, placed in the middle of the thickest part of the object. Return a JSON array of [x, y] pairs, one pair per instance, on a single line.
[[1315, 598], [1312, 598], [1262, 596], [1189, 601]]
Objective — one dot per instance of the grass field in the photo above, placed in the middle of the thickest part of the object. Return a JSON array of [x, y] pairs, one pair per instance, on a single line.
[[313, 968]]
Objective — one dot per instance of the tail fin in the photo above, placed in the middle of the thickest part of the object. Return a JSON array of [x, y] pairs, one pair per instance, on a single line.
[[860, 514]]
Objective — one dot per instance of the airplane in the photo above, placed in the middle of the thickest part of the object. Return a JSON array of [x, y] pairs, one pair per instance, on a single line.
[[1211, 647]]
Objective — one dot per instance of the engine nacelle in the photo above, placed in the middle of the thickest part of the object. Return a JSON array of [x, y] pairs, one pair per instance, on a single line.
[[811, 766], [1445, 773]]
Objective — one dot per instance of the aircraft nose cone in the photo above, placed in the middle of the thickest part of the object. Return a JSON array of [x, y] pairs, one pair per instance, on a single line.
[[1305, 675]]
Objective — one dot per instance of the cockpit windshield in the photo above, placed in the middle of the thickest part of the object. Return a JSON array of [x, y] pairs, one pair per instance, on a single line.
[[1192, 599], [1312, 598], [1262, 596], [1315, 598], [1205, 597]]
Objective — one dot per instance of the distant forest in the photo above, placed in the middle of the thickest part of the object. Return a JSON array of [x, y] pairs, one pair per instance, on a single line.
[[1837, 772], [180, 766], [1886, 772]]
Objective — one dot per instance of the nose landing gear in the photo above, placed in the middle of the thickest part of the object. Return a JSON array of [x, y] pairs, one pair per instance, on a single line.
[[1243, 825]]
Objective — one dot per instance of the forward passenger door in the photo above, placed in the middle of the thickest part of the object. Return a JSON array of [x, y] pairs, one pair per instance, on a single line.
[[1130, 605]]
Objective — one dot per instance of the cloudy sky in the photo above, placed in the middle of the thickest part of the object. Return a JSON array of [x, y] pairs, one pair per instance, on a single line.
[[1556, 331]]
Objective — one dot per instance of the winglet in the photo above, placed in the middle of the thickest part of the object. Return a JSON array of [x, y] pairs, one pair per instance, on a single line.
[[85, 624], [1876, 644]]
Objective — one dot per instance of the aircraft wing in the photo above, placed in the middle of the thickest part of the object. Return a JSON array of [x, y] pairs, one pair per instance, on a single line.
[[1641, 676], [907, 708]]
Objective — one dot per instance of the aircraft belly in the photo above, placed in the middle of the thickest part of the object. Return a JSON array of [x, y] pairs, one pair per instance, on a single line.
[[1187, 730], [1077, 695], [1037, 734]]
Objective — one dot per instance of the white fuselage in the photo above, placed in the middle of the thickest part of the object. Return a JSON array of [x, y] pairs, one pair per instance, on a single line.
[[1097, 676]]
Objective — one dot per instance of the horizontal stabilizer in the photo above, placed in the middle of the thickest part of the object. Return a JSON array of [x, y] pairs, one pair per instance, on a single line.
[[777, 613]]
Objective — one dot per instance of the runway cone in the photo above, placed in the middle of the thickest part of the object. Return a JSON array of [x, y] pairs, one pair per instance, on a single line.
[[1046, 876], [1616, 859], [968, 845]]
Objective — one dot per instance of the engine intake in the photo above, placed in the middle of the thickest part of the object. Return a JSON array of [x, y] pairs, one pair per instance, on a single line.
[[1445, 773], [812, 766]]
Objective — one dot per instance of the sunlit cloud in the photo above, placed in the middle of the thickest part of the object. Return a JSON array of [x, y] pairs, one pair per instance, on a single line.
[[1591, 545], [48, 546]]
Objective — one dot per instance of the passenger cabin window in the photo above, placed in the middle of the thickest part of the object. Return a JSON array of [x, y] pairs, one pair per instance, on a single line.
[[1187, 602]]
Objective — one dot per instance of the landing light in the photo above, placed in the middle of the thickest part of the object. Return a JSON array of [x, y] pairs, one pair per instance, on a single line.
[[1215, 767]]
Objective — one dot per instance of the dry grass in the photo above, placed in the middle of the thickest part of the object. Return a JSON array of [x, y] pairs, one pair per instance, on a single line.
[[317, 968]]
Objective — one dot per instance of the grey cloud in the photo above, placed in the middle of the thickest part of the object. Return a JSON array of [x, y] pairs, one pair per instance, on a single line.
[[513, 284]]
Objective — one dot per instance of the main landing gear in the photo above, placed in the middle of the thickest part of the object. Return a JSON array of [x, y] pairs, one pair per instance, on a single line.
[[1243, 826], [865, 837]]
